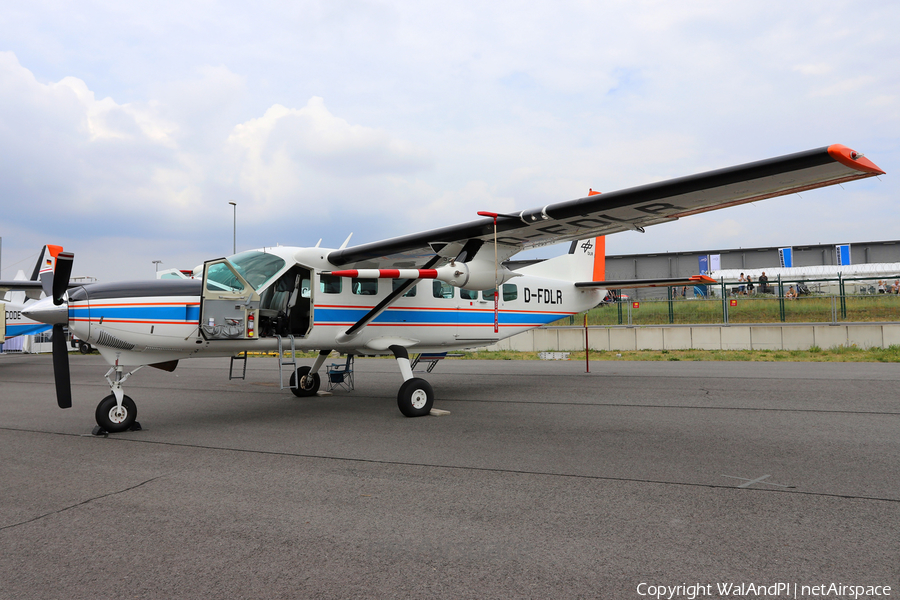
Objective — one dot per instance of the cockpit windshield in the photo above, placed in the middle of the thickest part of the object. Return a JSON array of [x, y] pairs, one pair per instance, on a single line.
[[258, 268]]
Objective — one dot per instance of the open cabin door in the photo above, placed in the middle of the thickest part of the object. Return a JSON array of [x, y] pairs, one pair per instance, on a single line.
[[229, 306], [286, 307]]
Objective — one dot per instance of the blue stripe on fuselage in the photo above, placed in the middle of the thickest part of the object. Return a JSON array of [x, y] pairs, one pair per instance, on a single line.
[[181, 313], [435, 317]]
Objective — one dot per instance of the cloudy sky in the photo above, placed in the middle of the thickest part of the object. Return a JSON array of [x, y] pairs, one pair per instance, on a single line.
[[127, 127]]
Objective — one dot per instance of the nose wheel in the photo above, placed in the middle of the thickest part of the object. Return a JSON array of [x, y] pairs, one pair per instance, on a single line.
[[114, 418]]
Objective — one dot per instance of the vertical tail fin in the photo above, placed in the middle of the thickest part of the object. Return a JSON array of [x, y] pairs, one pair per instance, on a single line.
[[599, 273], [589, 259], [45, 266], [598, 253]]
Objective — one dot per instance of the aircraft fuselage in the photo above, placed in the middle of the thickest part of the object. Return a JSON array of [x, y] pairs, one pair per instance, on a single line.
[[157, 321]]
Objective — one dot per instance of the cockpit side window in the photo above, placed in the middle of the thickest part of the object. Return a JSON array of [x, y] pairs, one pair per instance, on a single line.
[[258, 268], [222, 279]]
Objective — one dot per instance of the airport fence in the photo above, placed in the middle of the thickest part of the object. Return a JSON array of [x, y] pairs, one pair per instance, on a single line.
[[803, 301]]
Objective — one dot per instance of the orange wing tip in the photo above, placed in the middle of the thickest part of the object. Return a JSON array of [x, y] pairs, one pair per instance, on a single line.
[[702, 279], [853, 159]]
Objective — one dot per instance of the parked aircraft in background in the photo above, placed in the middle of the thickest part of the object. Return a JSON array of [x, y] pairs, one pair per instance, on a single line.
[[431, 291], [21, 292]]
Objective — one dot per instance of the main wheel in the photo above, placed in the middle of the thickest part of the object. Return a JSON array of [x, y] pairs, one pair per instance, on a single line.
[[308, 385], [113, 419], [415, 398]]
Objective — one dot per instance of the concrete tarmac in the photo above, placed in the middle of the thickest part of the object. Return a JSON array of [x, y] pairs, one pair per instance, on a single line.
[[543, 482]]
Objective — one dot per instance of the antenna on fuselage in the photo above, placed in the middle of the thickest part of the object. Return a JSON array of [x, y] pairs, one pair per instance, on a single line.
[[347, 241]]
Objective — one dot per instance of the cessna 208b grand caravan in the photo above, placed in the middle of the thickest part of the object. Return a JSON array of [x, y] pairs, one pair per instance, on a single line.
[[376, 298]]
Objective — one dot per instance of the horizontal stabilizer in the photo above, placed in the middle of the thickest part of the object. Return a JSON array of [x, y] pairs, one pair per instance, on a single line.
[[622, 284]]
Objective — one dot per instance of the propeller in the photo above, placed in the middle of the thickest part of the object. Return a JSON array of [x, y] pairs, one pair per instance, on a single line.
[[54, 310], [61, 368], [60, 282]]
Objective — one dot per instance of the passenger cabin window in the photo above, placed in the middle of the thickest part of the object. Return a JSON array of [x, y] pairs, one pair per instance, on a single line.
[[410, 293], [510, 292], [441, 290], [468, 294], [364, 287], [330, 284]]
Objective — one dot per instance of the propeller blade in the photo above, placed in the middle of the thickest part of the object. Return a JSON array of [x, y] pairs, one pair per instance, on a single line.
[[61, 367], [61, 276]]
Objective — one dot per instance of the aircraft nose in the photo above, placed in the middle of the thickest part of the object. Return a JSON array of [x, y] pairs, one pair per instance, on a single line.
[[44, 311]]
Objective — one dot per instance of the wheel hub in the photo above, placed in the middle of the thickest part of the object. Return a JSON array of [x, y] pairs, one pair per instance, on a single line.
[[118, 415], [418, 399]]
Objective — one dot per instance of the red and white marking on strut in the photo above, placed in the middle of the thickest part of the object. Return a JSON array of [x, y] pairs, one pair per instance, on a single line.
[[386, 273]]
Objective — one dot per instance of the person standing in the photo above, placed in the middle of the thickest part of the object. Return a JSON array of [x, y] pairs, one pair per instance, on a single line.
[[763, 283]]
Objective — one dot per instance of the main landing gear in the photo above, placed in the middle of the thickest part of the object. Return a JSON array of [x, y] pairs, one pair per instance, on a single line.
[[415, 398]]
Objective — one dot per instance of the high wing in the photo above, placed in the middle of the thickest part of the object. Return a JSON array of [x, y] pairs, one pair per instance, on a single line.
[[630, 209]]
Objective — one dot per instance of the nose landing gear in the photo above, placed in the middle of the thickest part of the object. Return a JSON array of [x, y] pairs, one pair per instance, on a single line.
[[117, 412]]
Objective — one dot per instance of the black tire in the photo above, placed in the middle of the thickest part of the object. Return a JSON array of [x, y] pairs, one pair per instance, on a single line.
[[415, 398], [312, 383], [84, 348], [108, 419]]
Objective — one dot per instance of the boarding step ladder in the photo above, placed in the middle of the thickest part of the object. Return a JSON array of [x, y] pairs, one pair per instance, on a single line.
[[284, 362], [243, 358]]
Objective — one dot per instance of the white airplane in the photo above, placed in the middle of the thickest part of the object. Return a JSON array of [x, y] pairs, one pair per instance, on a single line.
[[21, 292], [376, 298]]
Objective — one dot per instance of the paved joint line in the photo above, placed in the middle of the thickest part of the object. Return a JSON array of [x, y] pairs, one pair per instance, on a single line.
[[748, 482], [77, 504]]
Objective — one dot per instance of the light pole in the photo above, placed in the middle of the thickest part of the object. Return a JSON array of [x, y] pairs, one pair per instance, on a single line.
[[157, 263], [234, 235]]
